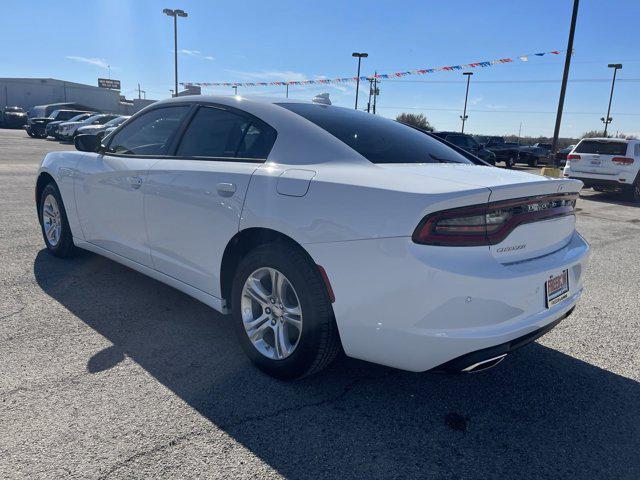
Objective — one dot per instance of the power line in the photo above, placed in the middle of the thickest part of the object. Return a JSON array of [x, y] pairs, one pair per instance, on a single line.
[[505, 111], [575, 80]]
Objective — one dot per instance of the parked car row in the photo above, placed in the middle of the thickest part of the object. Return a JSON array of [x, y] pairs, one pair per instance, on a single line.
[[66, 124]]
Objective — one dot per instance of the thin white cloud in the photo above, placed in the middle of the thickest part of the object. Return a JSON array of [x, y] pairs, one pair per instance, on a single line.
[[476, 101], [194, 53], [98, 62], [271, 75]]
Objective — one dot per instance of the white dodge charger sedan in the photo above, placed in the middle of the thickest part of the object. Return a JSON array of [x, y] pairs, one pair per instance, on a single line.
[[322, 228]]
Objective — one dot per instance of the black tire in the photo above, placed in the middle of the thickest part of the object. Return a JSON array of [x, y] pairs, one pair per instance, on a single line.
[[64, 246], [510, 162], [319, 341], [633, 193]]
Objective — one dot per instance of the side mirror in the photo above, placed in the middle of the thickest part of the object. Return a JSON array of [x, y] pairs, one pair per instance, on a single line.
[[87, 143]]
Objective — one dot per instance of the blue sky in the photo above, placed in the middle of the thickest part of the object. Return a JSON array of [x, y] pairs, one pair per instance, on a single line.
[[289, 40]]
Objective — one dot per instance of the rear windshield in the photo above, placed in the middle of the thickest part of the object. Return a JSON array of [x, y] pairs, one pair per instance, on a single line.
[[378, 139], [602, 147]]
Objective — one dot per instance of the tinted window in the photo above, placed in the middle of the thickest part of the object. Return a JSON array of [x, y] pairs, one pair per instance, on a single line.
[[78, 118], [66, 115], [602, 147], [104, 119], [637, 150], [216, 132], [150, 133], [378, 139]]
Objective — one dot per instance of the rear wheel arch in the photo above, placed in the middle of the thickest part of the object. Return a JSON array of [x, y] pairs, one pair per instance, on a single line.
[[244, 242]]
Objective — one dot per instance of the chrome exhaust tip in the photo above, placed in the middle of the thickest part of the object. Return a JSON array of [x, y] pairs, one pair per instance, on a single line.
[[484, 364]]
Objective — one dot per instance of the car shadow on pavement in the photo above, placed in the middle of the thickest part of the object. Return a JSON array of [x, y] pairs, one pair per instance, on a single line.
[[614, 198], [539, 414]]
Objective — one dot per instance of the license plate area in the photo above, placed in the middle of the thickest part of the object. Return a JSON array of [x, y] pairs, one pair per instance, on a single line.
[[557, 288]]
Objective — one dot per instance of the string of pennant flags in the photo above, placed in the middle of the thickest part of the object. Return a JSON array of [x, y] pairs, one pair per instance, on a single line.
[[323, 81]]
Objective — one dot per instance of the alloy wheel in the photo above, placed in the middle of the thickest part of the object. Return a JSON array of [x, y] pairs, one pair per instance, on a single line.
[[271, 313], [51, 219]]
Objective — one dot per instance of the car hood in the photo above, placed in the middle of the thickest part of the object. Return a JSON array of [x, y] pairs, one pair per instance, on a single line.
[[503, 183], [15, 114], [92, 127], [66, 124]]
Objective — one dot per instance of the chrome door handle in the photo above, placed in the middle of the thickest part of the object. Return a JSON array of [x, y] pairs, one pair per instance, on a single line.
[[226, 189], [135, 182]]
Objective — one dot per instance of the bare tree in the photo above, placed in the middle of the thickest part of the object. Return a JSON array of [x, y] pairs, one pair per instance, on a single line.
[[415, 120]]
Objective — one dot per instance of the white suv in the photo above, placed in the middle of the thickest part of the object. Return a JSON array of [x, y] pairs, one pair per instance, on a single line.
[[607, 164]]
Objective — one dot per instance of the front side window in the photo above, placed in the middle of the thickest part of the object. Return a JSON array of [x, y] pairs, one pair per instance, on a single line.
[[150, 133], [378, 139], [217, 132], [602, 147]]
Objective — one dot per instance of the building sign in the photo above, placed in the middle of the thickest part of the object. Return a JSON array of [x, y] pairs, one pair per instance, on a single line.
[[109, 83]]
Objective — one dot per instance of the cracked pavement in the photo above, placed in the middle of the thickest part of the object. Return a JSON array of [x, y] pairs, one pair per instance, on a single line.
[[105, 373]]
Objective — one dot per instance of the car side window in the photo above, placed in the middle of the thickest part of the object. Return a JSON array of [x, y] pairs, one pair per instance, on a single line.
[[636, 150], [220, 133], [457, 140], [150, 133]]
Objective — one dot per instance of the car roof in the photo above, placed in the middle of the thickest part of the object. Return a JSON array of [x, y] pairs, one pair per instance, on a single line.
[[608, 139]]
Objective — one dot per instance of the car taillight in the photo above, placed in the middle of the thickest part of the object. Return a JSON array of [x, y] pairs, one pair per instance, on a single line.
[[573, 157], [622, 160], [489, 224]]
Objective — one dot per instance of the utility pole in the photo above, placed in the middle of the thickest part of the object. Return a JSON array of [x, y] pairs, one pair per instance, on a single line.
[[359, 56], [464, 115], [287, 90], [175, 14], [519, 133], [607, 120], [370, 92], [235, 89], [565, 76], [376, 91], [139, 92]]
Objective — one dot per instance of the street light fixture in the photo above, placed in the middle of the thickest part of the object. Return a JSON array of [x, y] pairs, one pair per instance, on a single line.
[[464, 115], [607, 120], [175, 14], [359, 56]]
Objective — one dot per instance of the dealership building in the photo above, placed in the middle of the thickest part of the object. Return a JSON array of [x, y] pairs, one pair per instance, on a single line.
[[29, 92]]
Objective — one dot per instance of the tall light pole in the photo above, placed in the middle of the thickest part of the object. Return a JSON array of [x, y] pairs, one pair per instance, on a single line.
[[607, 120], [235, 89], [359, 56], [175, 14], [464, 115], [565, 77]]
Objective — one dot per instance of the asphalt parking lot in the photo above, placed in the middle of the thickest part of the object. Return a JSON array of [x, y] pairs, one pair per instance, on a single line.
[[105, 373]]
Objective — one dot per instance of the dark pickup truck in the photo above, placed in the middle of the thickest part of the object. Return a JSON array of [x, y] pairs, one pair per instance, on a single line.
[[507, 152]]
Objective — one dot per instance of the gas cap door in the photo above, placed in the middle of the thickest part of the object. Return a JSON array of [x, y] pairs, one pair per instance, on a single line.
[[295, 182]]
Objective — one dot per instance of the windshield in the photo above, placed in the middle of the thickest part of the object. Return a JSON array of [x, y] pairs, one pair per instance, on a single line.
[[602, 147], [92, 118], [13, 109], [115, 122], [78, 118], [54, 114], [378, 139]]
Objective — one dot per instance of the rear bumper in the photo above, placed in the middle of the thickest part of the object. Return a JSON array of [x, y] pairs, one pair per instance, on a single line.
[[617, 180], [416, 307], [481, 359]]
